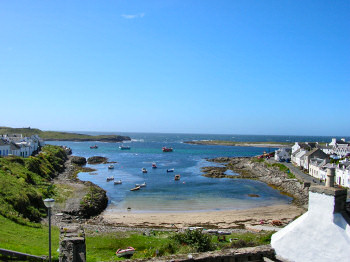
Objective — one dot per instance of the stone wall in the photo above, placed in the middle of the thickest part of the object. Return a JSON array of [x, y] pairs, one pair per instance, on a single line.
[[72, 244]]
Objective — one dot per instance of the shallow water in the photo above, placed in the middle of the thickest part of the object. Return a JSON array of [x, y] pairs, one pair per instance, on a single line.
[[163, 194]]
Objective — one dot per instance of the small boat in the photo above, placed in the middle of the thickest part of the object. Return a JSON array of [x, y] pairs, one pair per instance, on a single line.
[[144, 170], [154, 165], [177, 177], [141, 185], [94, 147], [125, 252], [170, 170], [167, 149], [118, 182], [135, 188], [124, 147], [110, 178], [111, 167]]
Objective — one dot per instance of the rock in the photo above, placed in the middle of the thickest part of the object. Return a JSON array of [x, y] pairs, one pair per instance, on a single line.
[[78, 160], [97, 160]]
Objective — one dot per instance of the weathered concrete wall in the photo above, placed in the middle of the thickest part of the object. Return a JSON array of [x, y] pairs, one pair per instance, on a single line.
[[72, 244]]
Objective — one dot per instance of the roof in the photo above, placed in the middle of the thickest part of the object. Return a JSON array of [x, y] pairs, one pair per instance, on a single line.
[[14, 146], [3, 142]]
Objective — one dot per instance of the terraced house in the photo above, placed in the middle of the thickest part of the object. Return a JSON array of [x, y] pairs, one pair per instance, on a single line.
[[18, 145]]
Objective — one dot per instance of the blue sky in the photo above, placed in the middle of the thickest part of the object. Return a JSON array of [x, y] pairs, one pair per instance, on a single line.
[[227, 67]]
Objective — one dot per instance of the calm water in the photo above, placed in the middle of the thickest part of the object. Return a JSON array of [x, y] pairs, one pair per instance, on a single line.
[[193, 191]]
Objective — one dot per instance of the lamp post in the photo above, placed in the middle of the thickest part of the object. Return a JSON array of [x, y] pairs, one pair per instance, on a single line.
[[49, 203]]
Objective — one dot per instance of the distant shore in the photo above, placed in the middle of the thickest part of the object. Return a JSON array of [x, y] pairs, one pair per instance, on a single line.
[[234, 143]]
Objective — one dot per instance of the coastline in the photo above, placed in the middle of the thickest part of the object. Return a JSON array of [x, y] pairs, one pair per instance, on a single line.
[[242, 144], [71, 211], [228, 219]]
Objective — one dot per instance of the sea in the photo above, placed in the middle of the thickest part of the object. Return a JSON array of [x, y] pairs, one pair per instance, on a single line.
[[193, 192]]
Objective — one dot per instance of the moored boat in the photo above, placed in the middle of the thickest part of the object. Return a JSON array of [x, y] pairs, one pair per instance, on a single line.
[[124, 147], [167, 149], [118, 182], [141, 185], [154, 165], [144, 170], [94, 147], [110, 178], [177, 177], [111, 167], [125, 252], [135, 188], [170, 170]]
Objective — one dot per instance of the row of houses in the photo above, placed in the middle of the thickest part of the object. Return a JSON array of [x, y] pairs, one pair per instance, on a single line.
[[315, 159], [19, 145]]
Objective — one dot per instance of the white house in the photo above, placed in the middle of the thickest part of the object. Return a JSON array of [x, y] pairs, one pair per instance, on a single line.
[[283, 153], [342, 174], [298, 157], [339, 147], [5, 149], [314, 153], [316, 166], [15, 149]]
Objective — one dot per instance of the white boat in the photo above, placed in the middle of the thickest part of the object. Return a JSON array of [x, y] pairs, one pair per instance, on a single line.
[[144, 170], [118, 182], [141, 185], [125, 252], [170, 170], [111, 167], [124, 147], [110, 178]]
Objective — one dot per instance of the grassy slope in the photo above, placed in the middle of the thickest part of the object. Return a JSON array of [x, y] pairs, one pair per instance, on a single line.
[[53, 135], [25, 182]]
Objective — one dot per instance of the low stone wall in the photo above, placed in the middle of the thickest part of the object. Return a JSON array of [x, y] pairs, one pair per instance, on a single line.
[[228, 255]]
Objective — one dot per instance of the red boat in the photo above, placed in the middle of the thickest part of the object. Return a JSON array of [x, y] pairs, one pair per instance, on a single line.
[[125, 252], [154, 165], [94, 147], [167, 149]]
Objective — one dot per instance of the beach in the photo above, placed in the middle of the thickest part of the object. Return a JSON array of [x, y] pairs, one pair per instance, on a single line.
[[229, 219]]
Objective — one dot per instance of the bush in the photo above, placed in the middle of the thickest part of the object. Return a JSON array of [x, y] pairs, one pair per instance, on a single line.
[[196, 239]]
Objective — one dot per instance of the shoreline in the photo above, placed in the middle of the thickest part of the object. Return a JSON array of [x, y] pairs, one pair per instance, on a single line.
[[222, 219], [227, 219], [242, 144]]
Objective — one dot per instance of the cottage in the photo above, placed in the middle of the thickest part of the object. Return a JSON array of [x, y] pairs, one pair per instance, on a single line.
[[314, 153], [4, 147], [283, 153]]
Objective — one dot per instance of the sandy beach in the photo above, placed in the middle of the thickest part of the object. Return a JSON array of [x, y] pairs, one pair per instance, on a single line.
[[214, 219]]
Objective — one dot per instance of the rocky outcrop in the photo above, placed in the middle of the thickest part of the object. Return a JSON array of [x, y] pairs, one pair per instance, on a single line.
[[97, 160], [249, 169], [78, 160], [94, 202]]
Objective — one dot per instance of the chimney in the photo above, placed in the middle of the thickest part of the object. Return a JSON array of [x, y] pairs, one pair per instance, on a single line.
[[330, 177]]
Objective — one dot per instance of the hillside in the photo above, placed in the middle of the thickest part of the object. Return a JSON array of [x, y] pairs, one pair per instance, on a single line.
[[62, 136], [25, 182]]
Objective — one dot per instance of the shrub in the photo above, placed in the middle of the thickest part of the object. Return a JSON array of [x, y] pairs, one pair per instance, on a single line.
[[196, 239]]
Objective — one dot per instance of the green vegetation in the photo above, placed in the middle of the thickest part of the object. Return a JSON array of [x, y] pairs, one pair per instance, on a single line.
[[282, 168], [61, 136], [25, 182], [102, 247], [27, 239]]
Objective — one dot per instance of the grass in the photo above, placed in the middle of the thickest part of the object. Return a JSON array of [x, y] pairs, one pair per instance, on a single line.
[[102, 246], [63, 136], [25, 182], [27, 239], [282, 168]]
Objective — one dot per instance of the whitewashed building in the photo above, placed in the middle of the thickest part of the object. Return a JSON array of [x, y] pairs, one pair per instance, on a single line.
[[316, 168], [314, 153], [5, 149], [342, 174], [283, 153], [298, 157]]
